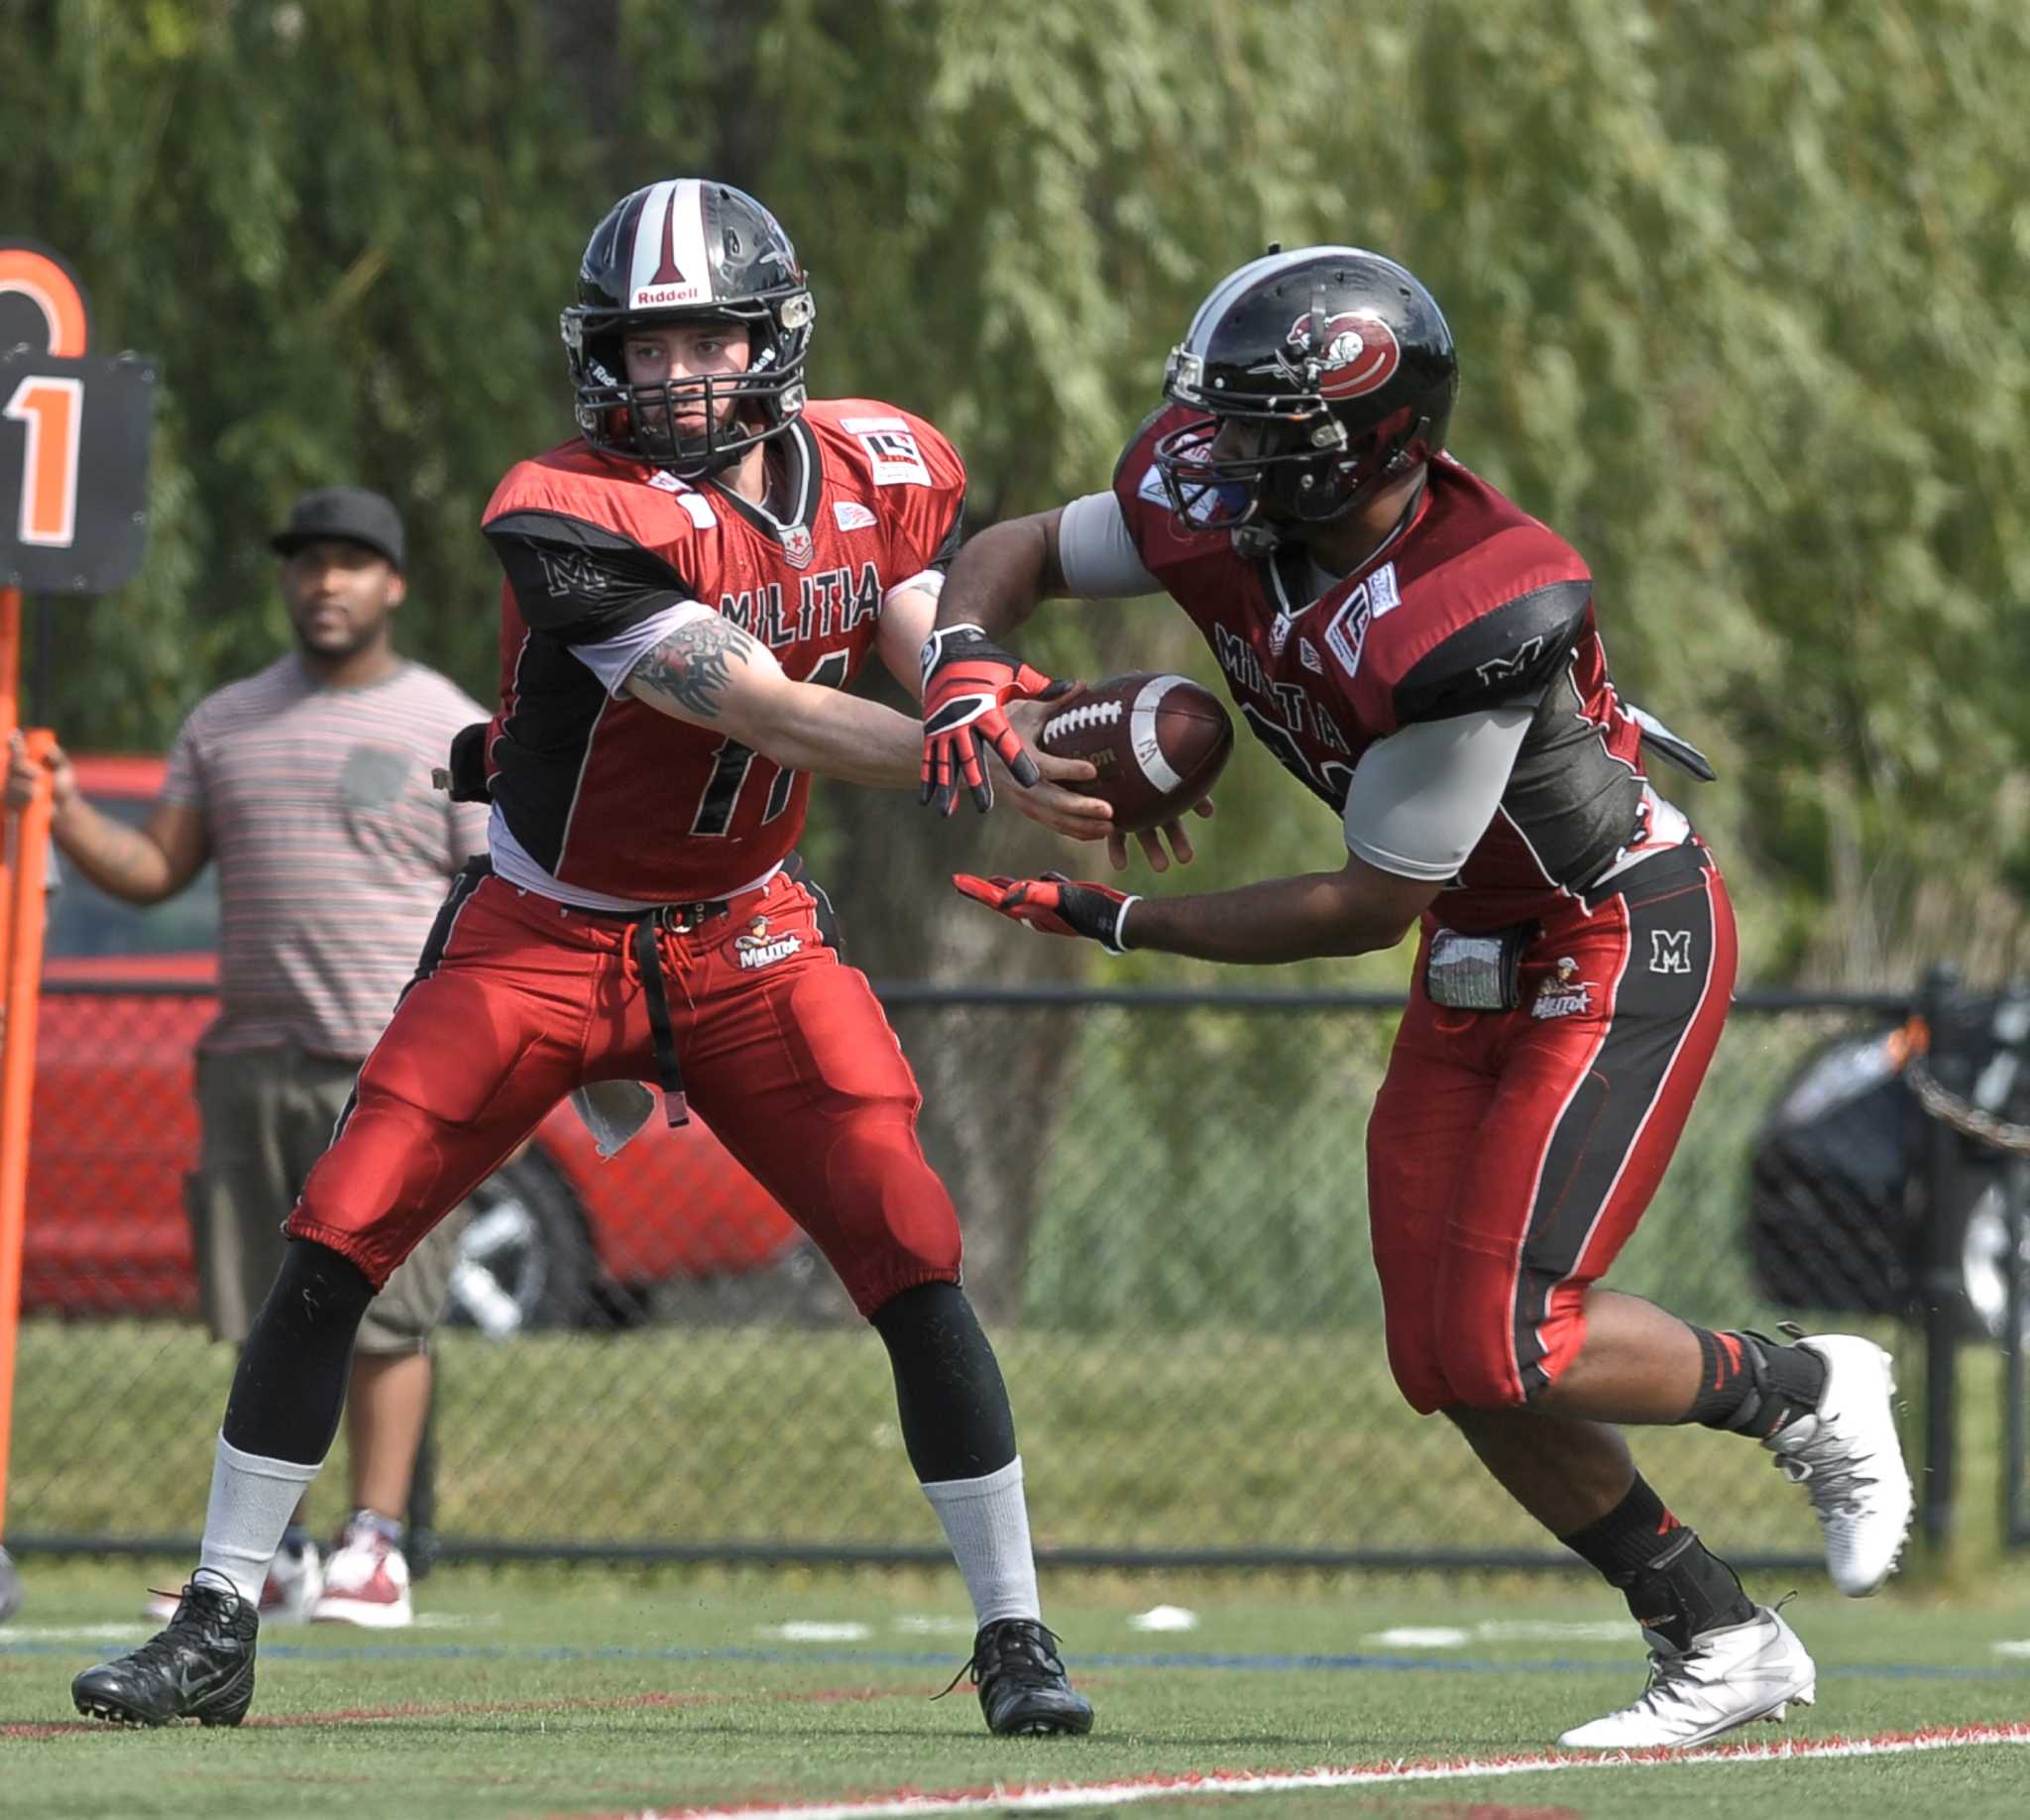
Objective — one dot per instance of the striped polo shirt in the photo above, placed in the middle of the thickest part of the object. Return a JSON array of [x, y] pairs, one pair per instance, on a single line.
[[333, 851]]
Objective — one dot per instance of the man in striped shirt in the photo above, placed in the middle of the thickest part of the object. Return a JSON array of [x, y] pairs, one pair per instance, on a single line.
[[309, 784]]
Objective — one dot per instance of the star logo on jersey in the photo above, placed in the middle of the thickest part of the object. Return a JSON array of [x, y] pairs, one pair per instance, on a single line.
[[1278, 635], [852, 516], [797, 546]]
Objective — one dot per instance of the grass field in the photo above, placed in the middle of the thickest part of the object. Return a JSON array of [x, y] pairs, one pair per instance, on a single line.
[[549, 1693]]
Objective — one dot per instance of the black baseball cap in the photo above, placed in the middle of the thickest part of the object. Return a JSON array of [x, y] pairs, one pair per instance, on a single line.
[[351, 513]]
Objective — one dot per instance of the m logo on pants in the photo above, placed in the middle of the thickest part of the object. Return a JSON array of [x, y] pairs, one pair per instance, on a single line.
[[1670, 950]]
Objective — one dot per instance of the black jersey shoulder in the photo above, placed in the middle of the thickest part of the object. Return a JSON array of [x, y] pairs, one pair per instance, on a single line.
[[578, 581], [1503, 657]]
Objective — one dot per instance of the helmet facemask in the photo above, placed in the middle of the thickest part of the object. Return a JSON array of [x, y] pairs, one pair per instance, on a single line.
[[740, 410], [1293, 468], [1301, 468]]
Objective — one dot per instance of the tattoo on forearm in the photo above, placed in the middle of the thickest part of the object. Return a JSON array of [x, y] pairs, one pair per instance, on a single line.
[[693, 665]]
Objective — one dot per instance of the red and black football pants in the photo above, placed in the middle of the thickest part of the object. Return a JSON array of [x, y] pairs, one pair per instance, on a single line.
[[519, 1000], [1511, 1153]]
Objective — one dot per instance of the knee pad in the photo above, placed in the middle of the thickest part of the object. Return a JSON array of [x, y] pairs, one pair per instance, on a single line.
[[1477, 1354], [1417, 1374], [889, 1223]]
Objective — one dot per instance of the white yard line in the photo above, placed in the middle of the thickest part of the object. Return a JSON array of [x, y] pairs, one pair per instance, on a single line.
[[1048, 1797]]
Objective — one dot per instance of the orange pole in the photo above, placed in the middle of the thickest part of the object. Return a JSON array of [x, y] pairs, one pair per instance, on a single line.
[[21, 877], [18, 1071]]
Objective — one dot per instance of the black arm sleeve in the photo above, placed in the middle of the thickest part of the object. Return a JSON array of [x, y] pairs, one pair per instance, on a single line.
[[577, 581], [1504, 658]]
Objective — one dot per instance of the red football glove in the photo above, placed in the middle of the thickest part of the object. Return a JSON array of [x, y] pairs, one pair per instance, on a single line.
[[1057, 905], [969, 682]]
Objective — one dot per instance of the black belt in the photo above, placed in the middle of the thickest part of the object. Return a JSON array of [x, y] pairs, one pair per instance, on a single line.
[[643, 926], [678, 918]]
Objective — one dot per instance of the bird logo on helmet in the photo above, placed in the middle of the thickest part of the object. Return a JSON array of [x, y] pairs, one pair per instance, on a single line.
[[1352, 355]]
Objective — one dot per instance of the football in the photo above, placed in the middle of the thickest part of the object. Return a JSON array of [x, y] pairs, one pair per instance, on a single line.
[[1158, 742]]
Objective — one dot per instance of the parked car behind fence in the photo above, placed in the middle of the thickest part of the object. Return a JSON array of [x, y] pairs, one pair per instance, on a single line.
[[559, 1236]]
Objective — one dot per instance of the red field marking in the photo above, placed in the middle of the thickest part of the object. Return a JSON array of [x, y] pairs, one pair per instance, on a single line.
[[1050, 1796]]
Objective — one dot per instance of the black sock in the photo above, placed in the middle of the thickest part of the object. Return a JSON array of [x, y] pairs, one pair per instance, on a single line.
[[954, 1407], [1750, 1384], [1631, 1536], [1673, 1585], [289, 1386]]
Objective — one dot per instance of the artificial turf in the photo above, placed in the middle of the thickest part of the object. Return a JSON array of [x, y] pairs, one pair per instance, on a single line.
[[527, 1694]]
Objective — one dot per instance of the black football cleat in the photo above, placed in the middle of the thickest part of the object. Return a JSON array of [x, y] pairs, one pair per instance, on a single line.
[[201, 1667], [1022, 1688]]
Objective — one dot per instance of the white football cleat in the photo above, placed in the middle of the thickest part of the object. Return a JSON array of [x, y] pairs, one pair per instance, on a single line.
[[1847, 1458], [1728, 1677]]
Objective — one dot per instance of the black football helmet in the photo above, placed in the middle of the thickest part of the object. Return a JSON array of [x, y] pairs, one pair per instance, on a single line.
[[688, 250], [1341, 358]]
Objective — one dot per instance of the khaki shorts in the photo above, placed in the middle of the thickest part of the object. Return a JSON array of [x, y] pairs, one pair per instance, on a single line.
[[266, 1116]]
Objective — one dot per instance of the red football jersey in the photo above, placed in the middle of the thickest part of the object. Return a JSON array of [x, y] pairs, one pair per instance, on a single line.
[[1471, 603], [608, 794]]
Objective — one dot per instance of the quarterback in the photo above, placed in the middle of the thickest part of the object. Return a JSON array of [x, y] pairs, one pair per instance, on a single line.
[[689, 584], [1422, 656]]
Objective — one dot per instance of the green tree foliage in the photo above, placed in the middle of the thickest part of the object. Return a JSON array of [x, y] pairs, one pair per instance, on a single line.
[[1736, 285]]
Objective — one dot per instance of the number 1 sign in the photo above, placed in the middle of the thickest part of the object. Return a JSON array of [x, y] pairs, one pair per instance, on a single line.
[[74, 436]]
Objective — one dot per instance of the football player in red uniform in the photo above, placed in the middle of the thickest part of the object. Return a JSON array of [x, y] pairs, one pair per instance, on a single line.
[[1422, 656], [690, 582]]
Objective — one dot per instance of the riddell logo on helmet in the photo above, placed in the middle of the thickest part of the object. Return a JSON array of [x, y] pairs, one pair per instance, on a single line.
[[656, 295], [1354, 356]]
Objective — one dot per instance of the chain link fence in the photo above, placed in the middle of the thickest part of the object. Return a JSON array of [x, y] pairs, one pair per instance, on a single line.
[[1165, 1202]]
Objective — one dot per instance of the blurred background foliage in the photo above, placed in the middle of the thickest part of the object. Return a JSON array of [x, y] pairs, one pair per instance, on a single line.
[[1737, 290]]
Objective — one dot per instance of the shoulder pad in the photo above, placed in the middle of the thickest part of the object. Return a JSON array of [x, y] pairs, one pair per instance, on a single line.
[[561, 480], [885, 444], [1505, 655]]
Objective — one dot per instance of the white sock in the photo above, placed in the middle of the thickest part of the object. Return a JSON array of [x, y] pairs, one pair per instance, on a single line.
[[252, 1502], [987, 1522]]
